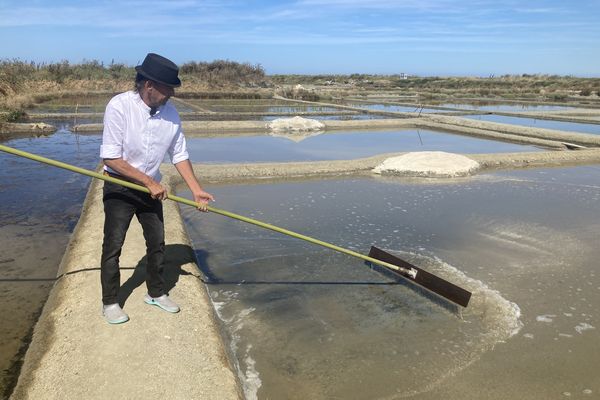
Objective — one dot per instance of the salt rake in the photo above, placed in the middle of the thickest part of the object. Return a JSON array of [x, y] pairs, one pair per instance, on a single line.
[[394, 264]]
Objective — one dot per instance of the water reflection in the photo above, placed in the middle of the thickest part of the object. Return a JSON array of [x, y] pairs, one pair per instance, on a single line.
[[507, 107], [540, 123], [395, 108], [341, 145]]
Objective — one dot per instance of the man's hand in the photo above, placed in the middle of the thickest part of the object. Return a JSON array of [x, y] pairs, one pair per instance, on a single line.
[[157, 191], [123, 168], [202, 198]]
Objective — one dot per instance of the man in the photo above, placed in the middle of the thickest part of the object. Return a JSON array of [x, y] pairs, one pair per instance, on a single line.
[[140, 128]]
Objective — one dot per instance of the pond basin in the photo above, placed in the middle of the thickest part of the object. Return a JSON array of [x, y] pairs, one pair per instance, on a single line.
[[540, 123], [396, 108], [262, 117], [305, 322], [74, 103], [339, 145], [274, 109], [506, 107]]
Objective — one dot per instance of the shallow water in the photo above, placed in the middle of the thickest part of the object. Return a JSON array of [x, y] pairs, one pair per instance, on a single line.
[[272, 109], [540, 123], [182, 107], [40, 207], [395, 108], [308, 323], [242, 102], [336, 146], [506, 107], [243, 117], [71, 104], [343, 117]]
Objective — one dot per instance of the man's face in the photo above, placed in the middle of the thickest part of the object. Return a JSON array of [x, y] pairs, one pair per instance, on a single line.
[[157, 94]]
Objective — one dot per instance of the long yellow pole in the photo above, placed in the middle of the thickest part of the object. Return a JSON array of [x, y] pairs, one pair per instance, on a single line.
[[405, 271]]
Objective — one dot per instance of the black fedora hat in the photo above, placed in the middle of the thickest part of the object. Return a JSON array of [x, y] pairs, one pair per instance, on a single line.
[[159, 69]]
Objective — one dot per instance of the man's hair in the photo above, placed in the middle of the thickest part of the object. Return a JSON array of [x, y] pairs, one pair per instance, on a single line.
[[139, 82]]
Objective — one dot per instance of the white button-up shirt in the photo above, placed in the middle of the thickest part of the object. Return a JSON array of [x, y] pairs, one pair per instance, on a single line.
[[143, 140]]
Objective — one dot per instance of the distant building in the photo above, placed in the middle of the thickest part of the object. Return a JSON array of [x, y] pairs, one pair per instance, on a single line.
[[403, 75]]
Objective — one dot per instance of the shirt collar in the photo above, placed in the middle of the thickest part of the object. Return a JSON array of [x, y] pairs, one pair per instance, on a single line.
[[144, 106]]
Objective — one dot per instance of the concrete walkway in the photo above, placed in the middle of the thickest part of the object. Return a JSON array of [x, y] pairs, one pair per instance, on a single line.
[[75, 354]]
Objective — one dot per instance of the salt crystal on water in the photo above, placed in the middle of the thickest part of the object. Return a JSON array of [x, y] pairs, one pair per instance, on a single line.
[[583, 327], [545, 318]]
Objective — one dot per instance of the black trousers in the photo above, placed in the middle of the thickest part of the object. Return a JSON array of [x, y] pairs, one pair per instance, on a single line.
[[120, 204]]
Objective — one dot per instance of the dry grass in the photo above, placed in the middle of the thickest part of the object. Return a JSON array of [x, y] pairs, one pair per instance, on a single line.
[[24, 84], [532, 87]]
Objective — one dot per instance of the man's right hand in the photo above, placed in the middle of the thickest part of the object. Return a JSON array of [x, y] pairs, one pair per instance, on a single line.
[[123, 168], [157, 191]]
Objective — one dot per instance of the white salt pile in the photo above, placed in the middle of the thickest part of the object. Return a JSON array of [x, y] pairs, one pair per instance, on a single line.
[[297, 124], [296, 128], [428, 164]]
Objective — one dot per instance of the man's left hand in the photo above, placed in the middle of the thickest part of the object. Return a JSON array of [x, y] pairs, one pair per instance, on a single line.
[[202, 198]]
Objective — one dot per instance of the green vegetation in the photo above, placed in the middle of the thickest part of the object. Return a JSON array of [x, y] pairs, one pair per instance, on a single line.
[[11, 115]]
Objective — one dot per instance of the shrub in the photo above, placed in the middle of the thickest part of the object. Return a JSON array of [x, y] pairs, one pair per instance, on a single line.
[[558, 97], [223, 72], [14, 72], [120, 71], [299, 93], [12, 115]]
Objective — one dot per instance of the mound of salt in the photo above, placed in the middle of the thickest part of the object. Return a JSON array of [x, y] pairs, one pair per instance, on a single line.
[[428, 164], [41, 126], [295, 124]]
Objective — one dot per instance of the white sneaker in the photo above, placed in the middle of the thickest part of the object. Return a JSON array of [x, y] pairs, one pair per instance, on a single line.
[[114, 314], [163, 302]]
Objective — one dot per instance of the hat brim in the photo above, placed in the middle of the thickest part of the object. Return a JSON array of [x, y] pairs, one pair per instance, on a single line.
[[173, 84]]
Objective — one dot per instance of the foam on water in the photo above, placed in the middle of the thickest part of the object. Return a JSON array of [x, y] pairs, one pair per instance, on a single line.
[[252, 381], [504, 321], [583, 326], [490, 319], [249, 377], [499, 317], [545, 318]]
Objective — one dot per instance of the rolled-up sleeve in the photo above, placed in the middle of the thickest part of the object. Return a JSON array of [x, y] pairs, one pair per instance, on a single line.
[[112, 136], [178, 150]]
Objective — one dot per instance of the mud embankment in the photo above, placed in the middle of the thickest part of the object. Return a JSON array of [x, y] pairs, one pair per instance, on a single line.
[[11, 130], [216, 173]]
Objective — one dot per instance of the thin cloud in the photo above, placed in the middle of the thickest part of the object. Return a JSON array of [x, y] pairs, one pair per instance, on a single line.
[[541, 10]]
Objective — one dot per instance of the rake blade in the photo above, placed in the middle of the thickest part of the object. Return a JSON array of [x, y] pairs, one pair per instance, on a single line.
[[425, 279]]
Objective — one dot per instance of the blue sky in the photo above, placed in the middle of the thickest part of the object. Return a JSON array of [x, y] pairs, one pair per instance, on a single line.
[[418, 37]]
